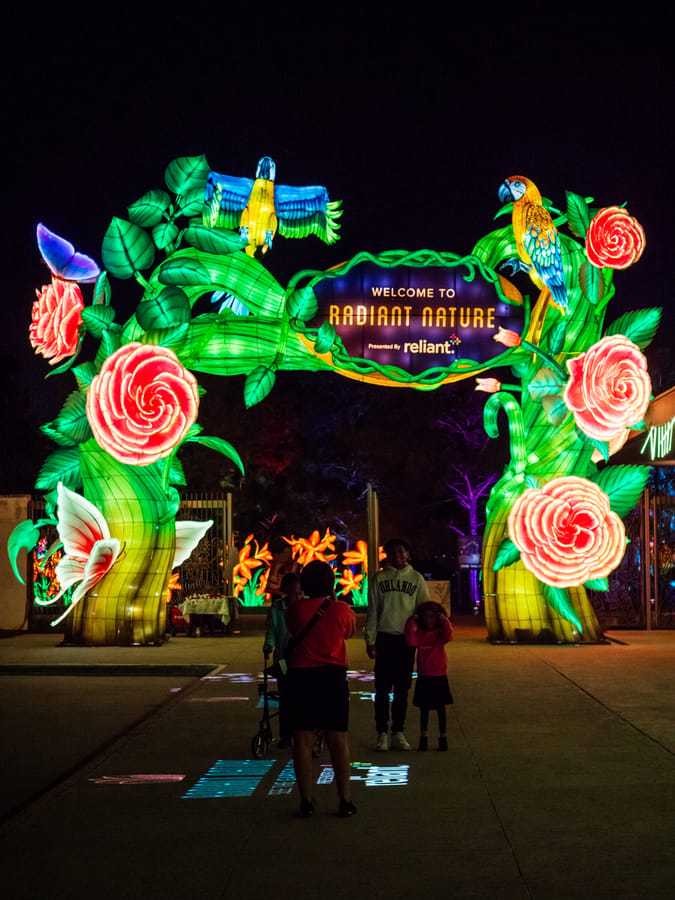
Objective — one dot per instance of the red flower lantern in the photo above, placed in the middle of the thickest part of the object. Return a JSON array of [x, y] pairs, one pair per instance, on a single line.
[[57, 316], [142, 403], [614, 239], [609, 388], [566, 532]]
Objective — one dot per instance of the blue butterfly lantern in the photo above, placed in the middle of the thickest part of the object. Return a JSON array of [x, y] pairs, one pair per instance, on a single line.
[[62, 258]]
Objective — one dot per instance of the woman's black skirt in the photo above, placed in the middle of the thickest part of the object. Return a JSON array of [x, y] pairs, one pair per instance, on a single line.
[[318, 698]]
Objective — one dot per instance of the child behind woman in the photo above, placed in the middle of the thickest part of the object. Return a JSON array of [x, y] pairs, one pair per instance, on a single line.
[[276, 640], [429, 630]]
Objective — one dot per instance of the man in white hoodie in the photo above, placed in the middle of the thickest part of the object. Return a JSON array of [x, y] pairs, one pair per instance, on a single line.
[[396, 590]]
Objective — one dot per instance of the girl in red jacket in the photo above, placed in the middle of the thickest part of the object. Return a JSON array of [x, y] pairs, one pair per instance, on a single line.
[[429, 630]]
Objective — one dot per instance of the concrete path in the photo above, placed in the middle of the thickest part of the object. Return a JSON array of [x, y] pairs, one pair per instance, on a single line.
[[119, 767]]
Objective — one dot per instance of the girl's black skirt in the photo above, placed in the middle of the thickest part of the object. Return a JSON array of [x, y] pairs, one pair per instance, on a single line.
[[432, 691]]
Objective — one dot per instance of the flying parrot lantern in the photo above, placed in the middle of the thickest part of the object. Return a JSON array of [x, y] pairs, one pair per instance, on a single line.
[[261, 208]]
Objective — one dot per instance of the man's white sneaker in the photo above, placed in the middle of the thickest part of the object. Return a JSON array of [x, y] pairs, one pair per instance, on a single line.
[[382, 741], [398, 741]]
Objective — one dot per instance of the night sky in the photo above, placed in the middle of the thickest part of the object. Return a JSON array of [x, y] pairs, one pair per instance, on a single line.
[[413, 124]]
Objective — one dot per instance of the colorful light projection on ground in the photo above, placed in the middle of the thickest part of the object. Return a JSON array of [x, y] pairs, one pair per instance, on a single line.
[[228, 779], [581, 392]]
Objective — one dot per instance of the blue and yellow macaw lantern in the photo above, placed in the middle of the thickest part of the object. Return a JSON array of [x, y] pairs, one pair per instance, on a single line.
[[536, 237], [261, 208]]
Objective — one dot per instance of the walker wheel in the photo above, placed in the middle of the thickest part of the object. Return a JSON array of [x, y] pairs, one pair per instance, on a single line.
[[259, 746]]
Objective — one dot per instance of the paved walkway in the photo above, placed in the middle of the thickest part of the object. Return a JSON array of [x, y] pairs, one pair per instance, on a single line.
[[559, 781]]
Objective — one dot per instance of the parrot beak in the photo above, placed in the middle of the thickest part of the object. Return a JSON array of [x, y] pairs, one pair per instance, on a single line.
[[505, 194]]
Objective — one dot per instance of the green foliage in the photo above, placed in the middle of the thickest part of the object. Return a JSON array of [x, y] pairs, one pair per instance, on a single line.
[[578, 215], [98, 319], [639, 326], [221, 446], [71, 424], [185, 271], [212, 240], [592, 283], [164, 235], [507, 554], [191, 201], [150, 209], [556, 338], [546, 382], [62, 465], [84, 374], [187, 173], [176, 472], [559, 599], [168, 308], [623, 485], [102, 290], [258, 385], [24, 537], [597, 584], [555, 410], [302, 304], [326, 337], [495, 247], [601, 446], [126, 249], [171, 337]]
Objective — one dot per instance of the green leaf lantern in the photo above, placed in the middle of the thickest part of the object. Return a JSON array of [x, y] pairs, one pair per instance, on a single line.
[[302, 304], [187, 173], [170, 307], [127, 249], [150, 209], [258, 385], [212, 240]]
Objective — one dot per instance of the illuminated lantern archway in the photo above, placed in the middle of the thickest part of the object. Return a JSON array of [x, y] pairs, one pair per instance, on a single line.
[[399, 319]]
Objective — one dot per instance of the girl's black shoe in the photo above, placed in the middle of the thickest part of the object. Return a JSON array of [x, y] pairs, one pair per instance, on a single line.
[[442, 743], [306, 809], [346, 809], [424, 744]]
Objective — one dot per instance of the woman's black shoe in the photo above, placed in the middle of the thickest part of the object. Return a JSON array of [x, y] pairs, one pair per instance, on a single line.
[[306, 809], [347, 809], [442, 743]]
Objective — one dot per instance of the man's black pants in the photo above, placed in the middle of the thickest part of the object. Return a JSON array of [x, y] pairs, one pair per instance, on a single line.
[[394, 661]]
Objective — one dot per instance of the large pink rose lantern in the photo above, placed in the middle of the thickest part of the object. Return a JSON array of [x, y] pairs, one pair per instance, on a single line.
[[142, 403], [566, 532], [614, 239], [57, 316], [609, 388]]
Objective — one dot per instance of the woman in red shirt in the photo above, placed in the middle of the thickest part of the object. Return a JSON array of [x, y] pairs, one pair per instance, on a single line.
[[318, 694]]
